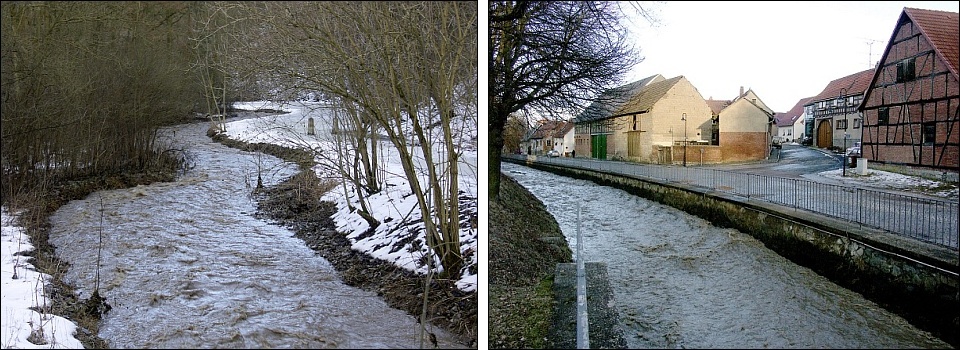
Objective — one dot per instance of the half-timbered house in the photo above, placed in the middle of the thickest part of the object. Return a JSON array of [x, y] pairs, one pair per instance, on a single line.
[[911, 108]]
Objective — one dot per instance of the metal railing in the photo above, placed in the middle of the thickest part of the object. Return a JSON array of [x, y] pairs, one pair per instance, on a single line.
[[925, 219]]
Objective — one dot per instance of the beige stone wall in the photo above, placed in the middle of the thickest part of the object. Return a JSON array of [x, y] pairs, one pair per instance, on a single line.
[[742, 116], [746, 127], [663, 124], [582, 145], [752, 97], [617, 142]]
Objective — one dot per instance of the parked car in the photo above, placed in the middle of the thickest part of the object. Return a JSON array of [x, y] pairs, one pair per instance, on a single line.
[[553, 153], [807, 141], [855, 150], [777, 143]]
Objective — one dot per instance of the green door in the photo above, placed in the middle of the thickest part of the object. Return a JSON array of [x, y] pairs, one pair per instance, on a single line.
[[598, 146]]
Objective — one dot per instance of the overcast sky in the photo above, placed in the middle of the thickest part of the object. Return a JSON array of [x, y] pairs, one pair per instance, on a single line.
[[784, 51]]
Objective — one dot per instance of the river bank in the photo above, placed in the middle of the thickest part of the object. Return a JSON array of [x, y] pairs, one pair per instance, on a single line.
[[67, 300], [295, 203], [524, 252]]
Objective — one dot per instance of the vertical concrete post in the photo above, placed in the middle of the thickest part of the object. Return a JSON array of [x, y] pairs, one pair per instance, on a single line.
[[583, 326], [862, 166]]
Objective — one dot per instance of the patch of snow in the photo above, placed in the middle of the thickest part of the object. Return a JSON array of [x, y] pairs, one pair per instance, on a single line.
[[889, 180], [23, 293]]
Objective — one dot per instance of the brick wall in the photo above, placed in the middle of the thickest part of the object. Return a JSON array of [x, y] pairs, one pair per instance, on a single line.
[[743, 146]]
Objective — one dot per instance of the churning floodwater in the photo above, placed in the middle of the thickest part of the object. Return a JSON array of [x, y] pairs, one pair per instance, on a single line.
[[680, 282], [186, 264]]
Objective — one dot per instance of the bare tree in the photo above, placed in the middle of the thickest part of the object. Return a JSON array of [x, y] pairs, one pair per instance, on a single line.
[[87, 85], [406, 67], [550, 58]]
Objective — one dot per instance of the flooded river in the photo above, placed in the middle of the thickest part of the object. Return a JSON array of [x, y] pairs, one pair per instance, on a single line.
[[680, 282], [186, 264]]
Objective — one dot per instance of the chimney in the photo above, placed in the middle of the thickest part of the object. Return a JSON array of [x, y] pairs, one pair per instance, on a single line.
[[741, 91]]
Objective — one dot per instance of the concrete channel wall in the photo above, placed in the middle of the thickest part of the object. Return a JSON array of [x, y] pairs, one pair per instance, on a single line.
[[916, 280]]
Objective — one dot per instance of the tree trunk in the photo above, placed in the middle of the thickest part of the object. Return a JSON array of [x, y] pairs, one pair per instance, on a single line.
[[498, 119]]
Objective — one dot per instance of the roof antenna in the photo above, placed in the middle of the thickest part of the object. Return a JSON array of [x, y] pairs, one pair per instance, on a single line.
[[870, 43]]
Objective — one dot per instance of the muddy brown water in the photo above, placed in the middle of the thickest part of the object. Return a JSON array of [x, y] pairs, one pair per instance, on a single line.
[[186, 264], [680, 282]]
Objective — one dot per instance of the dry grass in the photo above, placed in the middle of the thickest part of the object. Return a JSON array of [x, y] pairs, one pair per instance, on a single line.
[[525, 246]]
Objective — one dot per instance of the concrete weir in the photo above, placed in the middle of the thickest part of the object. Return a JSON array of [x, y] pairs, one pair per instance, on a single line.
[[604, 330], [916, 280]]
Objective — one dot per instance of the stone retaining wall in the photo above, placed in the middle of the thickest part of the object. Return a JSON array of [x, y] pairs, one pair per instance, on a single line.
[[914, 279]]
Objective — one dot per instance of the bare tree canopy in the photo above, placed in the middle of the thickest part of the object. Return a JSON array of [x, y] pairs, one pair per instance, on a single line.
[[405, 72], [550, 57]]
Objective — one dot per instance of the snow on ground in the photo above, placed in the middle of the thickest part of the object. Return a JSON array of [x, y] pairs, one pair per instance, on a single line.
[[394, 207], [894, 181], [23, 286], [23, 292]]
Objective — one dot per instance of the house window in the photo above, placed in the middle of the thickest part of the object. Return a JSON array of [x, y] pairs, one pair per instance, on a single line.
[[841, 124], [856, 123], [883, 116], [929, 133], [634, 122], [906, 70]]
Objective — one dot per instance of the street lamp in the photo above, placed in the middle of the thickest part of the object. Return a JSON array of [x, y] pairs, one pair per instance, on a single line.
[[846, 135], [684, 119]]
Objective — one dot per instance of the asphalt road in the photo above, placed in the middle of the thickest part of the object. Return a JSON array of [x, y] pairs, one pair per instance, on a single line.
[[795, 161]]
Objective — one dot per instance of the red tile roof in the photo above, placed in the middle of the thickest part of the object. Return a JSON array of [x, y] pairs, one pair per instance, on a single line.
[[789, 117], [550, 128], [941, 28], [717, 105], [562, 129], [853, 84]]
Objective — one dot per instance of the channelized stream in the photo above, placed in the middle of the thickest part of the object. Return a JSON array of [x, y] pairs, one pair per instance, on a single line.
[[186, 264], [680, 282]]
